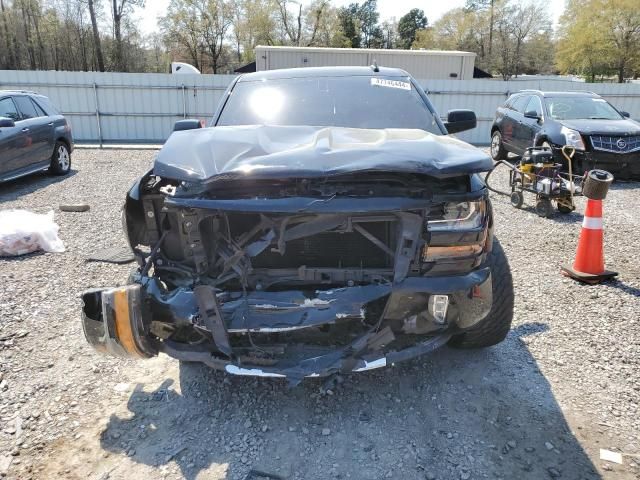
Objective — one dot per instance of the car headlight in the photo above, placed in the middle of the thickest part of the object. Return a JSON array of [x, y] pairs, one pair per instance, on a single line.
[[456, 216], [572, 138]]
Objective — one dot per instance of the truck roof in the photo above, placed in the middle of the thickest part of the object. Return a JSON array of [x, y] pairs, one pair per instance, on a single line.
[[323, 72], [18, 92]]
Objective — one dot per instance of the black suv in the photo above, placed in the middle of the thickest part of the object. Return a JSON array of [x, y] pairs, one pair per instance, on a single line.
[[324, 223], [602, 136], [34, 136]]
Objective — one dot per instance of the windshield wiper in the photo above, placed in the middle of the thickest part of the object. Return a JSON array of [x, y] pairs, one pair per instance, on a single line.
[[602, 118]]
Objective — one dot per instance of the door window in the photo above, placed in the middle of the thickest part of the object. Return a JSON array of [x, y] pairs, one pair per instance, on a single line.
[[520, 103], [534, 105], [40, 112], [8, 109], [46, 105], [26, 107]]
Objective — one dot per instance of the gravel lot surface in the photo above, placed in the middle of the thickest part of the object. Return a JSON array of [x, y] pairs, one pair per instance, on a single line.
[[564, 384]]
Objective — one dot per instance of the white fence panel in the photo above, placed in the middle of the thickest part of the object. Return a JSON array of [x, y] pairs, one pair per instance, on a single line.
[[123, 107], [142, 107]]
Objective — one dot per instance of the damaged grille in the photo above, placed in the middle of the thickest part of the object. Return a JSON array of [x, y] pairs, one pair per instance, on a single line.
[[334, 250], [616, 143], [341, 247]]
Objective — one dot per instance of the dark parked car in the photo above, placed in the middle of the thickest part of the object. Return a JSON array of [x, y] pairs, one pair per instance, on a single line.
[[34, 136], [602, 136], [324, 223]]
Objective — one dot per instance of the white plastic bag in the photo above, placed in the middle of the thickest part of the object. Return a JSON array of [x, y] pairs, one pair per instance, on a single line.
[[24, 232]]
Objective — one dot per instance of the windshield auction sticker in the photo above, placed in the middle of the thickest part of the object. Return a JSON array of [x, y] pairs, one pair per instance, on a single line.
[[384, 82]]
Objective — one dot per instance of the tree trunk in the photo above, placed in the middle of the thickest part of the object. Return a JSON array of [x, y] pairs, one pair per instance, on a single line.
[[11, 63], [83, 49], [96, 36], [621, 73], [214, 59], [27, 36], [42, 55], [117, 17], [491, 28]]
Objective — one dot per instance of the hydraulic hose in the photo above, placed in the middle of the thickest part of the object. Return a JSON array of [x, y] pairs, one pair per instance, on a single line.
[[486, 177]]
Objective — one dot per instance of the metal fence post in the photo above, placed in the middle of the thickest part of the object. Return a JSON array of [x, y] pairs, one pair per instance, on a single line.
[[95, 96], [184, 101]]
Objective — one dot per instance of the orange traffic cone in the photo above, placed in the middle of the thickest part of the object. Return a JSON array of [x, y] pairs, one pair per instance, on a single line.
[[589, 264]]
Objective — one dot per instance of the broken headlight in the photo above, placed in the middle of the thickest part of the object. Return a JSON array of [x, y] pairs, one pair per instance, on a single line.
[[450, 216], [572, 138]]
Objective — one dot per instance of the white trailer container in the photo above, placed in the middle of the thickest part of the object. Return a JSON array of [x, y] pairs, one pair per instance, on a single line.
[[422, 64]]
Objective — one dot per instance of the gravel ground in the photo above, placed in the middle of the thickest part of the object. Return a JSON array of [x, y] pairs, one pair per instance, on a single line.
[[564, 384]]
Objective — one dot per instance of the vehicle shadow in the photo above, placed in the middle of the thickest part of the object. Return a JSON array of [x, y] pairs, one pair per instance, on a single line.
[[14, 189], [620, 285], [455, 414], [625, 184], [22, 258]]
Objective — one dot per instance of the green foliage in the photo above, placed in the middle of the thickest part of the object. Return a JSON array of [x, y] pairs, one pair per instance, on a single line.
[[600, 38], [349, 23], [368, 16], [409, 25], [595, 38]]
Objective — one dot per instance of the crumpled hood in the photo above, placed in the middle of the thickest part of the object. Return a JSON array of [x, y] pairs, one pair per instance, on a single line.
[[261, 152], [604, 127]]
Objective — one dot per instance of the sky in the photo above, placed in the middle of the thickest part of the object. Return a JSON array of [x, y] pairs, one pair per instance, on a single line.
[[433, 9]]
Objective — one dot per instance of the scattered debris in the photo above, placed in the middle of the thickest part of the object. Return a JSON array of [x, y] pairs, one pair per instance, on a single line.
[[78, 207], [610, 456], [22, 232], [117, 255], [259, 475], [520, 398]]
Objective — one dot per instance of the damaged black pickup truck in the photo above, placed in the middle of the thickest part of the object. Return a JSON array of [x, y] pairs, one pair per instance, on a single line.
[[324, 223]]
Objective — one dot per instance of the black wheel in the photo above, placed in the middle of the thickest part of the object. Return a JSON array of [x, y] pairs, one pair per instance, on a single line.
[[517, 199], [495, 326], [564, 209], [544, 207], [61, 159], [498, 151]]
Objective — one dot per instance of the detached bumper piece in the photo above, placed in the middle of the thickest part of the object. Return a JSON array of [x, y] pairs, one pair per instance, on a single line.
[[112, 322], [294, 333]]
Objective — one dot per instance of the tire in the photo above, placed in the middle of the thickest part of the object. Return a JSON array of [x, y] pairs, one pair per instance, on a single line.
[[498, 151], [496, 325], [61, 159], [517, 199], [544, 208], [564, 209]]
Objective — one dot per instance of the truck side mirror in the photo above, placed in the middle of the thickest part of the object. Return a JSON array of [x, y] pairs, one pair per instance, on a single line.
[[187, 124], [460, 120]]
